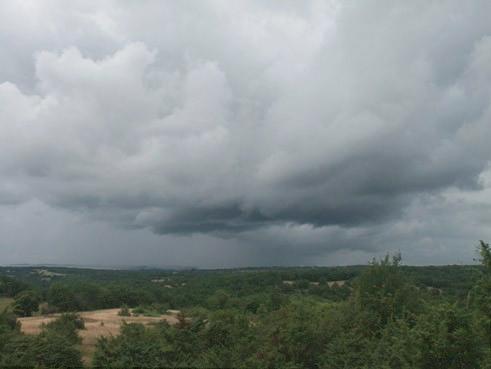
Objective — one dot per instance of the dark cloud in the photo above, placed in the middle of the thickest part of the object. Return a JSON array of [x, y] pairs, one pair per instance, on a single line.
[[320, 122]]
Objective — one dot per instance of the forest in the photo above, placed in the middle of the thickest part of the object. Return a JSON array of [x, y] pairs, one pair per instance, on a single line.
[[383, 315]]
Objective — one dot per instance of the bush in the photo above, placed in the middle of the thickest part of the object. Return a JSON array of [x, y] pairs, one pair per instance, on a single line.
[[66, 325], [124, 311], [26, 302], [47, 309], [154, 310], [53, 348], [138, 310]]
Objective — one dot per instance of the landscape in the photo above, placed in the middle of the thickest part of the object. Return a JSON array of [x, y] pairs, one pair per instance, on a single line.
[[381, 315], [264, 184]]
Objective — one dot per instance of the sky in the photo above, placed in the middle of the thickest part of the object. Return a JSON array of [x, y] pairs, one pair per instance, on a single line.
[[219, 133]]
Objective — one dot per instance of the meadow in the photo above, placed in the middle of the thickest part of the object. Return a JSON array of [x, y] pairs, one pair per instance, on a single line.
[[98, 323]]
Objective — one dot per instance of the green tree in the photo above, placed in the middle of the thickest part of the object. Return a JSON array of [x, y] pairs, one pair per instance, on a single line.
[[219, 299], [26, 303], [135, 347], [480, 295], [55, 347], [382, 293], [67, 325], [447, 339], [53, 351], [62, 297], [11, 287]]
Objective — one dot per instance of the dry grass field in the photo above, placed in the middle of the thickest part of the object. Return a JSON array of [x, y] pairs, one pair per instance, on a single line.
[[97, 323]]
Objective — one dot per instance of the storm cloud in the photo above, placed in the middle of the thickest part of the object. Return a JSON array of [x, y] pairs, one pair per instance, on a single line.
[[296, 128]]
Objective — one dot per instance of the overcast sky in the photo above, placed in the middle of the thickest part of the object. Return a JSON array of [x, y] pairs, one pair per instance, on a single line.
[[240, 133]]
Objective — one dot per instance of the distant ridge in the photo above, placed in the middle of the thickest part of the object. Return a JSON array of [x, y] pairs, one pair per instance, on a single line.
[[99, 267]]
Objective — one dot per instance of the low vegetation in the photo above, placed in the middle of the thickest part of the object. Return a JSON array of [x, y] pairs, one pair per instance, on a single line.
[[90, 325], [6, 303], [381, 316]]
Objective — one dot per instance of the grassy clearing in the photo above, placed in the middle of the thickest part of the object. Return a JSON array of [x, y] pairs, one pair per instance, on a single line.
[[97, 323], [5, 302]]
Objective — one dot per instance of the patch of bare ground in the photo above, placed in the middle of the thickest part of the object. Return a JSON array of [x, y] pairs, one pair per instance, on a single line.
[[98, 323]]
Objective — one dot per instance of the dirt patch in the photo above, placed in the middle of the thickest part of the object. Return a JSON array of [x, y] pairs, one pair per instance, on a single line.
[[97, 323], [336, 283]]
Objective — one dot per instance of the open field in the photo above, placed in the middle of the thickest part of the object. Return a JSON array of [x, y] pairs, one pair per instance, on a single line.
[[4, 302], [97, 323]]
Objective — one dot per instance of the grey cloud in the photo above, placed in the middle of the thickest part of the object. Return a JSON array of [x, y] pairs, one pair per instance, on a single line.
[[245, 120]]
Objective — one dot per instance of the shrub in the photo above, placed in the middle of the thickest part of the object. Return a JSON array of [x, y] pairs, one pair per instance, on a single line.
[[124, 311]]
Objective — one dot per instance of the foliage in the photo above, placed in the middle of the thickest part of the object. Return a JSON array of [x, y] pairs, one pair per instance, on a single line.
[[11, 287], [125, 311], [380, 316], [54, 348], [62, 297], [26, 302], [480, 295], [382, 294], [447, 339]]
